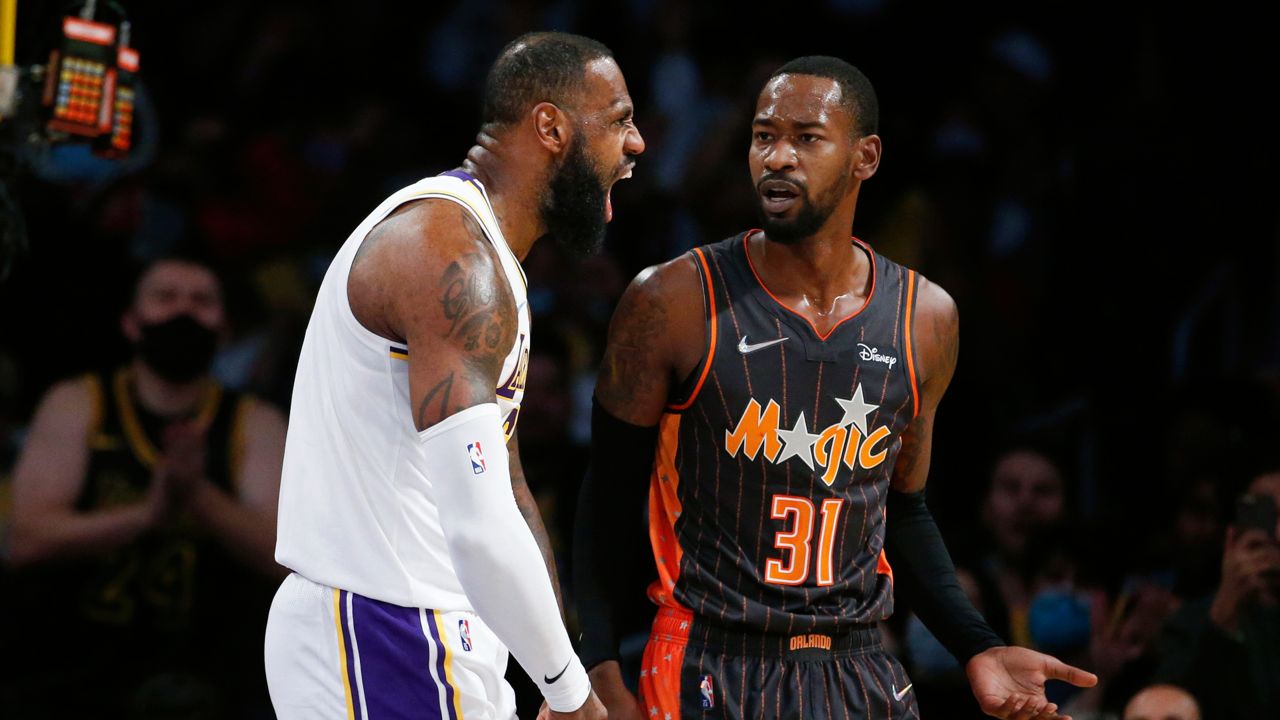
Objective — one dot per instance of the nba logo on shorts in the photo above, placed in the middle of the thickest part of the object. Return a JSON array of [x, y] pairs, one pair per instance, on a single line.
[[708, 692], [477, 457], [464, 632]]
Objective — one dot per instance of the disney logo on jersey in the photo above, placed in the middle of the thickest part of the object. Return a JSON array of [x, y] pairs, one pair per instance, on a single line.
[[848, 442], [873, 354], [477, 457]]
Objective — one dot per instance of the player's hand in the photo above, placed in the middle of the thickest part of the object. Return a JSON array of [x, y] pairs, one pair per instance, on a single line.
[[592, 709], [606, 678], [1009, 682]]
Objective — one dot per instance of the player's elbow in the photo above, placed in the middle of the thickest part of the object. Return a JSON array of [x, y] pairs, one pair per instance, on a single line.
[[473, 546]]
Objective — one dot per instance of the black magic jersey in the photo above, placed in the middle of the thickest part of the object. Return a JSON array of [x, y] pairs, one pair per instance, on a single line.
[[768, 492]]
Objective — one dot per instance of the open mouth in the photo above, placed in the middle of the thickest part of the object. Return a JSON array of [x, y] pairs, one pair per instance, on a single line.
[[778, 196], [608, 197]]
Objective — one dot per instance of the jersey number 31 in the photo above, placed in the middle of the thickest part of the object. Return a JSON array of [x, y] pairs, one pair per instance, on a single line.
[[796, 544]]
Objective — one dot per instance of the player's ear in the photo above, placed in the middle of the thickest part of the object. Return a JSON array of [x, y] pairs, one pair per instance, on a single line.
[[552, 127], [866, 156]]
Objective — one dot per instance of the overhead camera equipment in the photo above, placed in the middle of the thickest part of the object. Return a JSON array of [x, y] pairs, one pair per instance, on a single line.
[[85, 93]]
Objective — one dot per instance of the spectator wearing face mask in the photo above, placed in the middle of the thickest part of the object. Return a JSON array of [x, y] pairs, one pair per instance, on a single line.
[[144, 512]]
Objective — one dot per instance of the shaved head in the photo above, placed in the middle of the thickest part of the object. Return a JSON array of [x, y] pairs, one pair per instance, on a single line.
[[1162, 702]]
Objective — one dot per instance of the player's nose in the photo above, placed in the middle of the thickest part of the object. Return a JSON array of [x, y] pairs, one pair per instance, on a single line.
[[634, 142], [780, 156]]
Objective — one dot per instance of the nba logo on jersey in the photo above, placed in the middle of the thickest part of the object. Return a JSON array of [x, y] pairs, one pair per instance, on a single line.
[[708, 692], [477, 457], [464, 632]]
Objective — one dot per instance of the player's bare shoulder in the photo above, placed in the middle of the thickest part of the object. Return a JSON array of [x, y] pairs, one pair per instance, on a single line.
[[937, 334], [656, 336], [429, 265]]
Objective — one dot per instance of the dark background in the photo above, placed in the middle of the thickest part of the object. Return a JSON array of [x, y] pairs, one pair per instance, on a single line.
[[1093, 182]]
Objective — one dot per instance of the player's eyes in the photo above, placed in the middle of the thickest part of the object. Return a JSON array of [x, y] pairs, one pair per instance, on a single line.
[[809, 138], [763, 137]]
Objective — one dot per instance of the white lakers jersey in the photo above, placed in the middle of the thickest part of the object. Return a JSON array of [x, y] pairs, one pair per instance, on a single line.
[[356, 507]]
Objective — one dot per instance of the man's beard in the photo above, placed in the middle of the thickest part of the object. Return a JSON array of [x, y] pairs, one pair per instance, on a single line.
[[573, 205], [811, 217]]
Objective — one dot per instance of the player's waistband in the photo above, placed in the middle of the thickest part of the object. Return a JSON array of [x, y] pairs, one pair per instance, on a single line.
[[682, 626]]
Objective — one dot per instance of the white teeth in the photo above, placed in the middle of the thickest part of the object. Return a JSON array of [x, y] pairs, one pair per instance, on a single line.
[[624, 177]]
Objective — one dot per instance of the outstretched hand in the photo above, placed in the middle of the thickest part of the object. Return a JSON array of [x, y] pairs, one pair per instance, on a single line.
[[1009, 682]]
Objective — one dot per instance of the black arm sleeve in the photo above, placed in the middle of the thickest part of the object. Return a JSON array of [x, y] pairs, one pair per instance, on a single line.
[[608, 528], [923, 570]]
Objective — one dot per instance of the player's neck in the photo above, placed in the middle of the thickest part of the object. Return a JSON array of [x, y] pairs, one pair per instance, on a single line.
[[822, 268], [164, 398], [513, 188]]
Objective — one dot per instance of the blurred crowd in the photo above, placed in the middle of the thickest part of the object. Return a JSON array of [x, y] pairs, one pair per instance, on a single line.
[[1096, 194]]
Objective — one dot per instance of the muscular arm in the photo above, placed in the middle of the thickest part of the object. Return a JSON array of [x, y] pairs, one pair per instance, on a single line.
[[936, 329], [922, 566], [428, 276], [1008, 682], [532, 516], [48, 479], [656, 338]]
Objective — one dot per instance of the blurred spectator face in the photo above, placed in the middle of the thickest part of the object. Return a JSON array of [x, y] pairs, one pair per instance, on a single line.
[[801, 156], [1026, 497], [1197, 521], [175, 319], [1268, 484], [170, 288], [1162, 702]]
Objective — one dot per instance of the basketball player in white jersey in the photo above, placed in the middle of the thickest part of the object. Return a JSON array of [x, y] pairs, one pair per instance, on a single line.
[[417, 553]]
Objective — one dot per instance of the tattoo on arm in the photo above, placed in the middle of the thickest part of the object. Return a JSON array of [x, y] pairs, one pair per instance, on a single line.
[[465, 297], [443, 389], [912, 465], [631, 369], [468, 302], [460, 353]]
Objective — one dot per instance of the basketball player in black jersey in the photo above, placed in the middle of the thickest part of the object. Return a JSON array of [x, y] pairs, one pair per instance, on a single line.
[[785, 434]]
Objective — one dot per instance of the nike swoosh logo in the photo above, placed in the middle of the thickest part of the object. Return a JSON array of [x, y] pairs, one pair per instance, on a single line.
[[744, 347], [899, 694], [550, 680]]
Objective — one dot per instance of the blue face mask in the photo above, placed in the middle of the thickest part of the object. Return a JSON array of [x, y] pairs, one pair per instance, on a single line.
[[1059, 620]]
